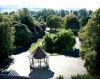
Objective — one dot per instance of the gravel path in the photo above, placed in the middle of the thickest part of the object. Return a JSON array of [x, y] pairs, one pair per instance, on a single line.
[[59, 65]]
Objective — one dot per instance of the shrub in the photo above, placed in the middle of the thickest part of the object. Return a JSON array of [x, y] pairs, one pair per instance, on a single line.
[[60, 77], [85, 76], [60, 43]]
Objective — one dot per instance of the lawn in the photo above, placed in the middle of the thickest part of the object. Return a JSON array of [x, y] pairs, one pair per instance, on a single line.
[[36, 44], [39, 41]]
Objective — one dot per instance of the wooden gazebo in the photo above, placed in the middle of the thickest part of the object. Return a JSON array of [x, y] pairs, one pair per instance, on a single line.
[[38, 59]]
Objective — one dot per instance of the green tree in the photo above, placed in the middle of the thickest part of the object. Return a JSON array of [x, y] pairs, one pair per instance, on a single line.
[[23, 35], [15, 17], [61, 43], [43, 14], [62, 13], [84, 16], [72, 22], [82, 13], [60, 77], [26, 18], [1, 17], [53, 22], [64, 41], [6, 40], [48, 44], [90, 43], [85, 76], [75, 13]]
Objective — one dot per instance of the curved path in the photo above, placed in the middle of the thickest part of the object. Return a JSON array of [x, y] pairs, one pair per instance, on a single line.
[[59, 65]]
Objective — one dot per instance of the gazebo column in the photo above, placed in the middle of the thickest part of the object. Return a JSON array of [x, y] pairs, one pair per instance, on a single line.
[[46, 61], [30, 62], [40, 63], [33, 62]]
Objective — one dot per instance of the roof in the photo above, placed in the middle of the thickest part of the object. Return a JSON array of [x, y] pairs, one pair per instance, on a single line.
[[38, 53], [13, 73], [5, 76]]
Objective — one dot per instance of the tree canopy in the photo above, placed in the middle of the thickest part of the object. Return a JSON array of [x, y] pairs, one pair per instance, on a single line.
[[71, 21], [53, 21], [6, 40], [61, 43], [90, 39]]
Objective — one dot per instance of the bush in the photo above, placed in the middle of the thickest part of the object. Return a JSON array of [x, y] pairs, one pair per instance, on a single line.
[[64, 41], [60, 77], [85, 76], [48, 44], [60, 43]]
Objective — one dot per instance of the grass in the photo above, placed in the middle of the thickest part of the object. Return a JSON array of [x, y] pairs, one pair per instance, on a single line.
[[39, 41], [36, 44], [54, 54]]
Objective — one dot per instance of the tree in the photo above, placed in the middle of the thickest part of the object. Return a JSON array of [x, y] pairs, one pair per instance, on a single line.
[[71, 21], [1, 17], [39, 31], [85, 76], [48, 44], [62, 13], [82, 13], [26, 18], [61, 43], [84, 16], [43, 14], [64, 41], [90, 44], [6, 40], [53, 22], [60, 77], [43, 25], [75, 13], [23, 35], [15, 17]]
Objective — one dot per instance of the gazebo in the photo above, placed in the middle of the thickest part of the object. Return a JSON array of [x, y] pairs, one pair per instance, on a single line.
[[38, 59]]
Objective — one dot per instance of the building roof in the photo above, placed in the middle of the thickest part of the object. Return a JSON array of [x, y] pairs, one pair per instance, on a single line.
[[13, 73], [38, 53], [5, 76]]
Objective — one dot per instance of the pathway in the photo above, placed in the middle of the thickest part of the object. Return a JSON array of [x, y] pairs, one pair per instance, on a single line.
[[59, 65]]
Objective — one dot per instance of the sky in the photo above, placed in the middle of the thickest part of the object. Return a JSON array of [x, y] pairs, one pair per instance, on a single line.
[[54, 4]]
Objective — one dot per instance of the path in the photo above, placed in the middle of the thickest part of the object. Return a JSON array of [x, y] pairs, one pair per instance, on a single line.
[[59, 65], [77, 45]]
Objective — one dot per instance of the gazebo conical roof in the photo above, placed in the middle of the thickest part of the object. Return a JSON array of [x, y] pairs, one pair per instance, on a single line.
[[38, 53]]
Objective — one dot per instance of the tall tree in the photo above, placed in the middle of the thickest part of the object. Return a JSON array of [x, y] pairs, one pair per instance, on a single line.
[[53, 22], [90, 43], [22, 35], [62, 13], [82, 12], [6, 40], [71, 21], [26, 18]]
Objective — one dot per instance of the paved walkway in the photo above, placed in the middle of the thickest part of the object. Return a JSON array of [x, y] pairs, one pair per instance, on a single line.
[[59, 65]]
